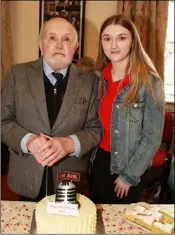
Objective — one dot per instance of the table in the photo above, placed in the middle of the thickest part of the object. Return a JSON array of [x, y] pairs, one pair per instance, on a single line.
[[16, 218]]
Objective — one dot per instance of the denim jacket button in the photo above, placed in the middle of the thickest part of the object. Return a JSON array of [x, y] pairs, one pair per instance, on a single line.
[[117, 106], [135, 105], [116, 131], [115, 153]]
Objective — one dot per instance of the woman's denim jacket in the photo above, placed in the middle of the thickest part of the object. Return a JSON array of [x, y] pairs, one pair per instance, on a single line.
[[136, 132]]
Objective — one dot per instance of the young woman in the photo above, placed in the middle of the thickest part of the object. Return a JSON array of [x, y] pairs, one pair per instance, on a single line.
[[131, 109]]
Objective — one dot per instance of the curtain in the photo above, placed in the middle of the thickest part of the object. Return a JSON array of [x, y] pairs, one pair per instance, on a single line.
[[6, 46], [150, 18]]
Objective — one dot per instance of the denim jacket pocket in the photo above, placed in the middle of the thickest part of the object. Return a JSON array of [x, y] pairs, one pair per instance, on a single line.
[[136, 111]]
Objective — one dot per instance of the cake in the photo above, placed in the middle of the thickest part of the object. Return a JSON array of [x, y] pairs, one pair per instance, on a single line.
[[84, 223], [168, 213], [157, 219]]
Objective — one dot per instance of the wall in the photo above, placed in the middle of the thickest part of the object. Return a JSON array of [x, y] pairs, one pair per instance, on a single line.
[[96, 13], [25, 27]]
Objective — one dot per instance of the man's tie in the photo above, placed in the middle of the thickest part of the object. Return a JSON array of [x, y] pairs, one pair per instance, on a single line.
[[59, 78]]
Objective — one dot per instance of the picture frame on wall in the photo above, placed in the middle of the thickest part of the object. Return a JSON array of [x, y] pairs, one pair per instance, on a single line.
[[73, 10]]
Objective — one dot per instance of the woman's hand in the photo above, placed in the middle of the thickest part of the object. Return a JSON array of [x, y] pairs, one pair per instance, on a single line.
[[121, 188]]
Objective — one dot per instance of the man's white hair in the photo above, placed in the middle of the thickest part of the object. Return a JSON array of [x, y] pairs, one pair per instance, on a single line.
[[41, 35]]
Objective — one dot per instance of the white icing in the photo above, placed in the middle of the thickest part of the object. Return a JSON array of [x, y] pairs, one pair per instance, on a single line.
[[131, 212], [84, 223], [146, 219], [147, 212], [167, 227], [139, 209], [157, 215], [167, 209], [155, 208], [158, 225], [153, 215], [172, 214]]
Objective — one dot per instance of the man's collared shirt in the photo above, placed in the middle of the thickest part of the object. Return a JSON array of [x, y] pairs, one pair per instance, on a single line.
[[48, 72]]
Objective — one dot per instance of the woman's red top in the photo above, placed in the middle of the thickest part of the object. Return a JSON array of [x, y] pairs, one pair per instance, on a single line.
[[105, 106]]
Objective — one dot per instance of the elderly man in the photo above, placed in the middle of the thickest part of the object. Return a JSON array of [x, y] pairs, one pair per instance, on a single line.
[[49, 115]]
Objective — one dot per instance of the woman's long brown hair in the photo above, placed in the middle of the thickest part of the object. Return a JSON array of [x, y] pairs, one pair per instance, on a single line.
[[140, 64]]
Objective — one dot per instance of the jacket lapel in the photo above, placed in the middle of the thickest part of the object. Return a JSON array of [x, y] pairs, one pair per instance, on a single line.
[[71, 93], [36, 82]]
